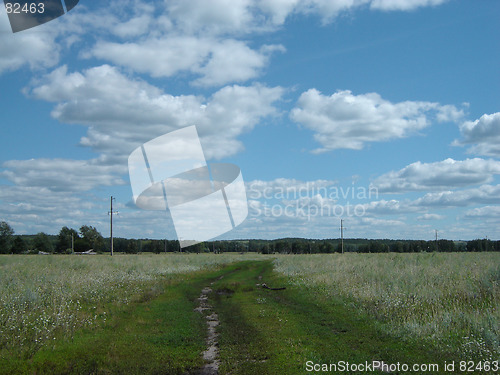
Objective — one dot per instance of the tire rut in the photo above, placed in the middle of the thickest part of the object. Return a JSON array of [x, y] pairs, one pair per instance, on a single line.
[[211, 354]]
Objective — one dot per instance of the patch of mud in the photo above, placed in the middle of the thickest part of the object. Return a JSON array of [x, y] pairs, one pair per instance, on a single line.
[[211, 354], [224, 292]]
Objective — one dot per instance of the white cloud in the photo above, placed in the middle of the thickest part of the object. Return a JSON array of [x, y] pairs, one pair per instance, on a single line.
[[205, 22], [158, 57], [136, 26], [278, 10], [240, 16], [404, 4], [216, 16], [289, 189], [62, 174], [486, 212], [427, 217], [233, 61], [485, 194], [217, 62], [41, 209], [483, 135], [388, 207], [344, 120], [202, 38], [36, 48], [34, 209], [123, 113], [443, 175], [244, 16], [381, 223]]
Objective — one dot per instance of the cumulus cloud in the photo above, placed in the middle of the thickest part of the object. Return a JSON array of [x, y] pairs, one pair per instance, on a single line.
[[217, 16], [33, 209], [485, 194], [167, 25], [233, 61], [486, 212], [62, 174], [483, 135], [204, 38], [388, 207], [405, 5], [34, 48], [44, 210], [427, 217], [216, 62], [443, 175], [223, 16], [345, 120], [381, 223], [122, 112], [286, 188]]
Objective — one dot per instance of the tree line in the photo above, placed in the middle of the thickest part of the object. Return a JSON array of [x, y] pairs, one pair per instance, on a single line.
[[88, 238], [67, 241]]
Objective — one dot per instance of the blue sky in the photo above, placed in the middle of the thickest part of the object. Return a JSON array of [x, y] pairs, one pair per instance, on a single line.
[[382, 112]]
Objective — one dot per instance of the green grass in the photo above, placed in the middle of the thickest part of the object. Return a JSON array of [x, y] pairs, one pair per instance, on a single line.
[[134, 314], [48, 300], [277, 332], [44, 297], [157, 333], [450, 300]]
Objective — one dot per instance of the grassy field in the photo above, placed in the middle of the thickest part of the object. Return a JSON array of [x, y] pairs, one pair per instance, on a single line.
[[44, 297], [135, 313], [451, 300]]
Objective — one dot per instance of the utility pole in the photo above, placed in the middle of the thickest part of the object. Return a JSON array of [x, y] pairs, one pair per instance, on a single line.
[[436, 239], [111, 213], [72, 243], [342, 234]]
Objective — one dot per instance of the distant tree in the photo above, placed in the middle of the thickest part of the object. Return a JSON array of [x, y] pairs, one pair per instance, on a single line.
[[397, 247], [42, 242], [480, 245], [300, 247], [148, 246], [64, 239], [6, 233], [81, 245], [92, 237], [120, 245], [158, 246], [19, 246], [132, 247], [326, 247], [172, 245], [281, 247], [446, 246], [199, 247]]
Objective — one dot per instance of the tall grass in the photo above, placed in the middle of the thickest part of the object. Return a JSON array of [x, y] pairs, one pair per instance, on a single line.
[[449, 299], [44, 297]]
